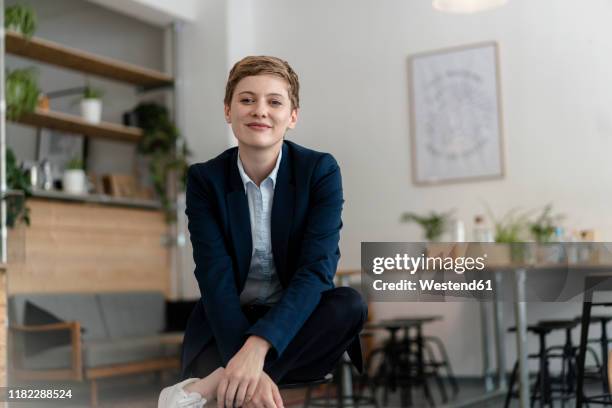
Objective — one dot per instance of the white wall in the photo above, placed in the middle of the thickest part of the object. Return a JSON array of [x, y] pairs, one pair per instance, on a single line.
[[556, 69], [203, 62], [159, 12], [351, 56]]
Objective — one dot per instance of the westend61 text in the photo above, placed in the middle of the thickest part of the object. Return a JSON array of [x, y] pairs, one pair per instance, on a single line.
[[432, 285]]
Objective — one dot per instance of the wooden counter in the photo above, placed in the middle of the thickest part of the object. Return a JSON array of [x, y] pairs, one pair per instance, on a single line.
[[88, 247]]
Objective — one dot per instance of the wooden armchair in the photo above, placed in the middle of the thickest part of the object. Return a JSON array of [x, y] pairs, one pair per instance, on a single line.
[[73, 373]]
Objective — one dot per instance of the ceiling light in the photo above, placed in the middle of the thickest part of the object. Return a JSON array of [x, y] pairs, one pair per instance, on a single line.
[[466, 6]]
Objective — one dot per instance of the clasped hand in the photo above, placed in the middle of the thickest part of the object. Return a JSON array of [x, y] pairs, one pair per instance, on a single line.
[[244, 383]]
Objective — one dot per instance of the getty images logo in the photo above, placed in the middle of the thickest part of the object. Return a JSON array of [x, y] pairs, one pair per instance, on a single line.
[[412, 264]]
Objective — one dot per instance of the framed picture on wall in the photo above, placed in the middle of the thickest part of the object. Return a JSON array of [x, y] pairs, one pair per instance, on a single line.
[[455, 115], [59, 148]]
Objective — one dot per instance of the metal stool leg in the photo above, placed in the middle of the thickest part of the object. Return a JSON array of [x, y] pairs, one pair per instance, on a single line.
[[584, 333], [511, 385], [435, 365], [446, 361], [604, 351]]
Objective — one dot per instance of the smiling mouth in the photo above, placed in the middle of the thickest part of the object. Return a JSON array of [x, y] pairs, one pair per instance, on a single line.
[[258, 126]]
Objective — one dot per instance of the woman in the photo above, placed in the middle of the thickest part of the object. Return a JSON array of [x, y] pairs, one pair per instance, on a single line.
[[264, 220]]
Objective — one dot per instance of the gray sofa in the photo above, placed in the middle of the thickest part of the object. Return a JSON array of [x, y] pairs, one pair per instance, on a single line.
[[89, 336]]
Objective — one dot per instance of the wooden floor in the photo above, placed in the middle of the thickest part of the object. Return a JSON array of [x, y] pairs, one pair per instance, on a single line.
[[132, 392], [142, 392]]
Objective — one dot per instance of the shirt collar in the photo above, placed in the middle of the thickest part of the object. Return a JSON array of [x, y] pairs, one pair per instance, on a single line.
[[272, 176]]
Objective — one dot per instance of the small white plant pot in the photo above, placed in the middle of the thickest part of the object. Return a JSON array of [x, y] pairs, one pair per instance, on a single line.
[[74, 182], [91, 110]]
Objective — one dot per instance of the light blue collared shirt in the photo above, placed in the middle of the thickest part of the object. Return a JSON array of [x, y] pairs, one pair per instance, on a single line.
[[262, 285]]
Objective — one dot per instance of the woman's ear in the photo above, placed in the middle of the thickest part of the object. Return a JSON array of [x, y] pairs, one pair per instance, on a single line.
[[227, 112], [293, 119]]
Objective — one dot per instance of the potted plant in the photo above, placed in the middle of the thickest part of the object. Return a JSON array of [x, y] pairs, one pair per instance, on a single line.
[[21, 92], [21, 19], [159, 145], [16, 179], [510, 230], [433, 225], [543, 230], [91, 105], [74, 180]]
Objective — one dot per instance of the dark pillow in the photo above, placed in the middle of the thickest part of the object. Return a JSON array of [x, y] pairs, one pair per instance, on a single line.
[[36, 342]]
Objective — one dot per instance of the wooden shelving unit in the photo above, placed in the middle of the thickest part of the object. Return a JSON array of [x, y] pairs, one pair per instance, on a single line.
[[75, 124], [60, 55]]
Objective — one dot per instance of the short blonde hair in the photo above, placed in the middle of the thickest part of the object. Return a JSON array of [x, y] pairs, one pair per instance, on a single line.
[[263, 65]]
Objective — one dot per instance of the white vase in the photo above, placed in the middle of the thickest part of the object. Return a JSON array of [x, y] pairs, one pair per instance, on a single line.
[[74, 182], [91, 110]]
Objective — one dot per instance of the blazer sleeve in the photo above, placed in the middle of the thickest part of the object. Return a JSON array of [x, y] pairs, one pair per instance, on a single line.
[[213, 268], [317, 262]]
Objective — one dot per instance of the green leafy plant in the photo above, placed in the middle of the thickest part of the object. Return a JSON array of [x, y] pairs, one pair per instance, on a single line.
[[21, 92], [20, 18], [511, 228], [159, 144], [16, 179], [92, 93], [74, 164], [434, 224], [543, 228]]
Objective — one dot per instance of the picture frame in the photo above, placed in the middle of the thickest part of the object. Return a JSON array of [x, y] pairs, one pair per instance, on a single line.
[[456, 126], [59, 148]]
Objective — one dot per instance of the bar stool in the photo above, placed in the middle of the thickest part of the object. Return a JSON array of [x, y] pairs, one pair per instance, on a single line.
[[603, 342], [409, 361], [310, 385], [339, 400], [388, 373], [543, 388], [567, 355], [606, 398]]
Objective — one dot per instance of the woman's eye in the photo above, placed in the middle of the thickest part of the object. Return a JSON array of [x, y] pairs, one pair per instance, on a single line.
[[246, 100], [276, 103]]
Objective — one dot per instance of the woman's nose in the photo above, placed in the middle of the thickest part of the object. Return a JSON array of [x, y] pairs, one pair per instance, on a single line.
[[259, 109]]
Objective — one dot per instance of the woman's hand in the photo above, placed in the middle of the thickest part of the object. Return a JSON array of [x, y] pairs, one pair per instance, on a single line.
[[266, 394], [242, 374]]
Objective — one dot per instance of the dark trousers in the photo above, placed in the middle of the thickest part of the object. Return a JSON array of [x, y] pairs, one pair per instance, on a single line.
[[316, 348]]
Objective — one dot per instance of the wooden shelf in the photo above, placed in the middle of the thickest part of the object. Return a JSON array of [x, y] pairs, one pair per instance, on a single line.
[[97, 199], [76, 124], [60, 55]]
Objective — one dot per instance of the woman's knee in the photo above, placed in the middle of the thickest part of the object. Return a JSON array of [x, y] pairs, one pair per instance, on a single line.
[[348, 304]]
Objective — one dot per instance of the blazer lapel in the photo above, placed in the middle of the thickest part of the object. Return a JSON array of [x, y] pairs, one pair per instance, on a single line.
[[282, 214], [239, 221]]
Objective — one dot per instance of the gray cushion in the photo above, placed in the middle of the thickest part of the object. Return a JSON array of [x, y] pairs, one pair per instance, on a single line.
[[100, 353], [39, 341], [133, 314], [67, 307], [55, 358]]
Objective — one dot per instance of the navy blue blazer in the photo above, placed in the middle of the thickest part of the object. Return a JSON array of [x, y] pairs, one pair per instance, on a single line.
[[305, 232]]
